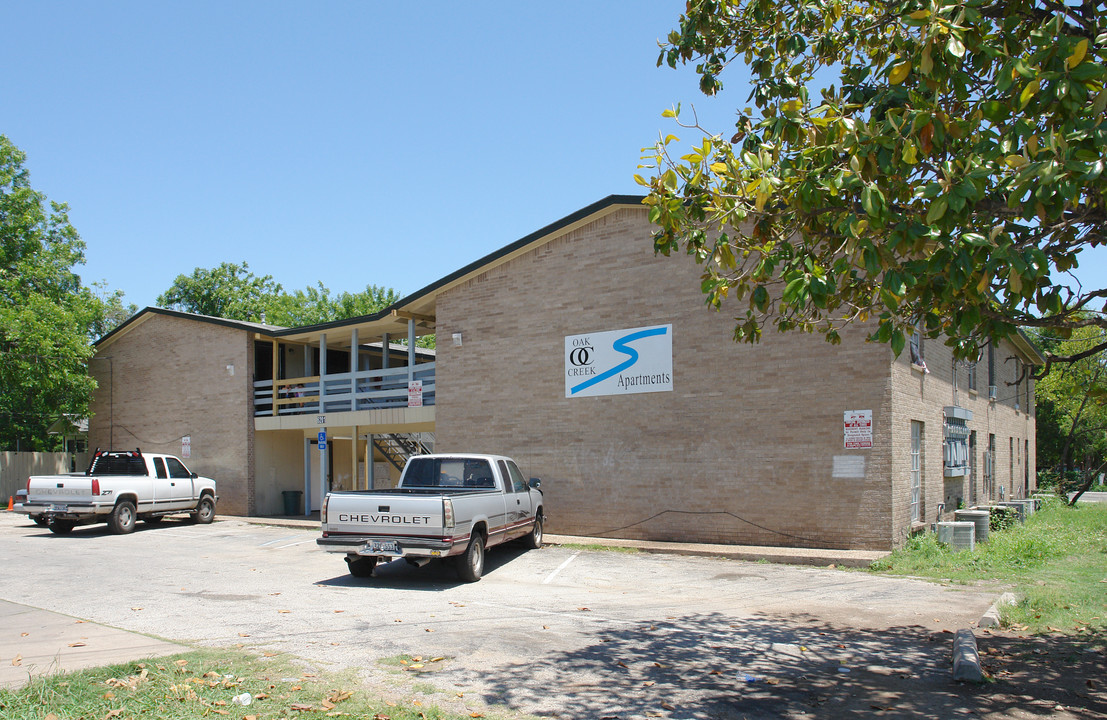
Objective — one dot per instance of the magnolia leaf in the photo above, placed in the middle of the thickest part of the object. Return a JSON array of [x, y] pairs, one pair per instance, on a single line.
[[17, 661], [1028, 92], [899, 72], [937, 210], [955, 47], [792, 106], [1015, 161], [919, 15], [1078, 54]]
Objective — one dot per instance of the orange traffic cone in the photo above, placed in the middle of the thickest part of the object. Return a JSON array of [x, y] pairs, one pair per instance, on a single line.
[[11, 502]]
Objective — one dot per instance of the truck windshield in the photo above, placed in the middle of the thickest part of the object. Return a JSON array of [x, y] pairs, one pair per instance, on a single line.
[[448, 472], [117, 464]]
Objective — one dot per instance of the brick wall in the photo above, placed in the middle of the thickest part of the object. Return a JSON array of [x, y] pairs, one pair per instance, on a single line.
[[921, 397], [172, 379], [748, 430]]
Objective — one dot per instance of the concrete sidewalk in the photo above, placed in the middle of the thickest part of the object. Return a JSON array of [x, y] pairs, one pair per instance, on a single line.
[[753, 553], [36, 642]]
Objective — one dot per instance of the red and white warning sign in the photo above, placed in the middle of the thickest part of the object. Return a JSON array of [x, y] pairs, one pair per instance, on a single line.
[[858, 428]]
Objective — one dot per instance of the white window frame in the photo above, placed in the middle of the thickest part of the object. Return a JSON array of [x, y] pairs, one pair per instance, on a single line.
[[916, 471]]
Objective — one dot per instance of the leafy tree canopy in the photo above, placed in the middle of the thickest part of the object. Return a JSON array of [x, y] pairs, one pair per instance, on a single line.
[[232, 291], [911, 163], [229, 291], [315, 305], [1072, 411], [47, 317]]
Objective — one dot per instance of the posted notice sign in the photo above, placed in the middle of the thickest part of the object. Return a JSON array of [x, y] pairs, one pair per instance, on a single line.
[[858, 428], [415, 393], [620, 362]]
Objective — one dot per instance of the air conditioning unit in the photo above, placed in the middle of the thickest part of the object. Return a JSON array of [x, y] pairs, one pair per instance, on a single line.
[[991, 392], [958, 535]]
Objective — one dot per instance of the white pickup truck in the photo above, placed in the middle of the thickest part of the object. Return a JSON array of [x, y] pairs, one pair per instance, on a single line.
[[119, 488], [446, 505]]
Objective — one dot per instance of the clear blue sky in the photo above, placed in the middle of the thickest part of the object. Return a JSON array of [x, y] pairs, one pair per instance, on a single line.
[[348, 142], [343, 142]]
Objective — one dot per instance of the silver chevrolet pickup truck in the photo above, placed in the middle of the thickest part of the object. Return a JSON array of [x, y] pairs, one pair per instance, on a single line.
[[118, 488], [445, 506]]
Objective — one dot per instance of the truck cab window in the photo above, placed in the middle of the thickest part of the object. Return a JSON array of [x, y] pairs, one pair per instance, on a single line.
[[159, 468], [177, 468]]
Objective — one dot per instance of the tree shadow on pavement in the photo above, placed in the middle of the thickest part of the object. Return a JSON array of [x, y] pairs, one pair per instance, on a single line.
[[711, 666]]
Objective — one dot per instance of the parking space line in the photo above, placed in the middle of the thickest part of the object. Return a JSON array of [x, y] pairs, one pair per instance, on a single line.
[[282, 547], [560, 567]]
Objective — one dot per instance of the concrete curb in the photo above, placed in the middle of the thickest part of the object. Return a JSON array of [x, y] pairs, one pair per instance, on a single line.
[[966, 656], [991, 616]]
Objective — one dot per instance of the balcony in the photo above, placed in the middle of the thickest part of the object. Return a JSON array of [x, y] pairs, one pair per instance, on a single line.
[[342, 392]]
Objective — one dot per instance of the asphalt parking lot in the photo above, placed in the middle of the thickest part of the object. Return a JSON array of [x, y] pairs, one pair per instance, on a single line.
[[559, 631]]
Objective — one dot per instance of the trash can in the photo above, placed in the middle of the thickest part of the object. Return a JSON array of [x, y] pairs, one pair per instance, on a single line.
[[292, 501]]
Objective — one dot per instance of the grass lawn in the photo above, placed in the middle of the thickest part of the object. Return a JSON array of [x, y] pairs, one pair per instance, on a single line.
[[209, 684], [1056, 563]]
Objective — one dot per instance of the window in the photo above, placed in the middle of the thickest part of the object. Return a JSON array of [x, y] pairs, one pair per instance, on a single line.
[[972, 376], [991, 365], [990, 468], [118, 463], [448, 472], [916, 471], [159, 468], [176, 468], [972, 467], [516, 481], [917, 349], [1018, 382]]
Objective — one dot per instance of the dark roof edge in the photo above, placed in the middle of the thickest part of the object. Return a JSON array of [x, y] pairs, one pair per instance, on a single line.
[[235, 324], [607, 202]]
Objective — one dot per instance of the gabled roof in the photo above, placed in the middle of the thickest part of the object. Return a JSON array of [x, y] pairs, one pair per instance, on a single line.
[[418, 306], [143, 315]]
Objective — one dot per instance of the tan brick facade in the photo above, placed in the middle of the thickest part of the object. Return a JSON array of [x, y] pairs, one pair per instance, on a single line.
[[748, 447], [175, 377], [743, 450]]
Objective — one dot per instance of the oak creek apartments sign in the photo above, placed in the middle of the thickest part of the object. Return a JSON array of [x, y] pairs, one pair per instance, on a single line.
[[620, 362]]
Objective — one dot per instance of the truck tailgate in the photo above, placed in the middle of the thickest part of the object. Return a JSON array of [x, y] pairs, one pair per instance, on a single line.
[[379, 513], [61, 490]]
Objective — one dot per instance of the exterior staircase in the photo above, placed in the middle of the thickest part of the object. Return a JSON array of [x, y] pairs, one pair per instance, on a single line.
[[398, 447]]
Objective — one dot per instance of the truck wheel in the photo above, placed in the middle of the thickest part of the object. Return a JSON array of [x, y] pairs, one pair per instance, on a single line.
[[470, 566], [533, 539], [122, 518], [205, 511], [40, 520], [61, 527], [361, 567]]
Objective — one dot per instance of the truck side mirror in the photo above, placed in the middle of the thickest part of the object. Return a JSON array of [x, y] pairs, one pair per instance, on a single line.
[[536, 484], [195, 475]]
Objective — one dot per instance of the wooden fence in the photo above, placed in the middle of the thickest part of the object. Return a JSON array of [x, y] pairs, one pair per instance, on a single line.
[[15, 467]]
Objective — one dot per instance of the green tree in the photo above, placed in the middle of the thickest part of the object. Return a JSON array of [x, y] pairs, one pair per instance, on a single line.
[[1072, 413], [229, 291], [315, 305], [47, 317], [915, 163]]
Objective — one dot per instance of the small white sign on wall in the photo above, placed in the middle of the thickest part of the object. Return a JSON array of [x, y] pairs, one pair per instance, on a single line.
[[186, 447], [415, 393], [620, 362], [857, 426]]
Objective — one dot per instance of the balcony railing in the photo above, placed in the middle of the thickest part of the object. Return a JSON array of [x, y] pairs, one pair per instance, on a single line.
[[342, 392]]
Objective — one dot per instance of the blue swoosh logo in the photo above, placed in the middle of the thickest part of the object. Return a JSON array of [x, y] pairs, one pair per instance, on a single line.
[[621, 345]]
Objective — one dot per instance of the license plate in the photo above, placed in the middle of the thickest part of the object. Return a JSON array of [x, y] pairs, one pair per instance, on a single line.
[[384, 546], [59, 508]]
